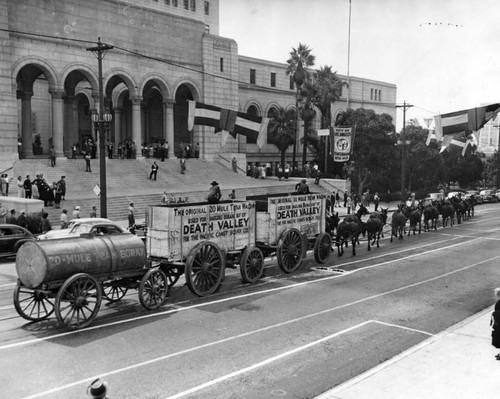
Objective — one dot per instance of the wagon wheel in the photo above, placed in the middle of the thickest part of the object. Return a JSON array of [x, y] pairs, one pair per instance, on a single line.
[[78, 301], [322, 247], [172, 272], [153, 289], [289, 251], [31, 304], [113, 292], [204, 268], [252, 265]]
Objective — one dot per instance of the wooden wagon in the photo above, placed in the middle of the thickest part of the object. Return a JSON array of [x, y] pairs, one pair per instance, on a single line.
[[71, 276], [199, 240]]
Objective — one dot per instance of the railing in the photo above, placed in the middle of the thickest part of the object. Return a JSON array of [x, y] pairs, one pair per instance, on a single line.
[[230, 163]]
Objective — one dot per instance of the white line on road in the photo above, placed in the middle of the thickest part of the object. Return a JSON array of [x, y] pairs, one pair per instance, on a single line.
[[370, 298]]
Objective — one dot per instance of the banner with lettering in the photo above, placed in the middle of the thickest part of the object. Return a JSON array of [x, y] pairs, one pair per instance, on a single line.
[[342, 143]]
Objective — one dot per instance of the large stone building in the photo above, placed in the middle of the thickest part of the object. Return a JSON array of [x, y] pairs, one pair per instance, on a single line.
[[165, 52]]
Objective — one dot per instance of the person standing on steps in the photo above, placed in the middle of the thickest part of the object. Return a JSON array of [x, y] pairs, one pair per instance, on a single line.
[[183, 166], [234, 162], [130, 215], [87, 163], [27, 187], [154, 170], [93, 212]]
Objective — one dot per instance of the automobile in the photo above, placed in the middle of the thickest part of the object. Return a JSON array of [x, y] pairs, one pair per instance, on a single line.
[[52, 234], [12, 237], [452, 194], [433, 197], [497, 194], [488, 196], [97, 229], [470, 193]]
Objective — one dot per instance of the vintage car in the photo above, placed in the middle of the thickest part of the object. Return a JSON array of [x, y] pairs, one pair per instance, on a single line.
[[12, 237], [488, 196], [72, 223]]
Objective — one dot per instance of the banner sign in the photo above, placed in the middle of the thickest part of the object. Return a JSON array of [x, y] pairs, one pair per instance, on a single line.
[[342, 143]]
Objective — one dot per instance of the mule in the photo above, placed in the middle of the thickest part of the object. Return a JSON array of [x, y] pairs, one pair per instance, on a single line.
[[398, 224], [349, 230]]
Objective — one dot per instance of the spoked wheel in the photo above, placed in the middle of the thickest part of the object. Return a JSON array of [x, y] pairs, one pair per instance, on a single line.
[[204, 268], [78, 301], [153, 289], [252, 265], [33, 305], [322, 247], [172, 272], [289, 251], [112, 292]]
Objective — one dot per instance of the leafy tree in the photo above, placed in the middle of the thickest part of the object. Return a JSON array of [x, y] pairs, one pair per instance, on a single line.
[[373, 146], [281, 129]]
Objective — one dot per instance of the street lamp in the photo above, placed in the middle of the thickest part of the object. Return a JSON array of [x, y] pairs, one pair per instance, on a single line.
[[102, 123], [403, 144]]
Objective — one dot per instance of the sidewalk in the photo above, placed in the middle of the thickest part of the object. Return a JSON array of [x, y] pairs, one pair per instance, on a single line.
[[458, 363]]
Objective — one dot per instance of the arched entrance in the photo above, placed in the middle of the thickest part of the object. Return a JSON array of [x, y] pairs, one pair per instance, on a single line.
[[181, 132]]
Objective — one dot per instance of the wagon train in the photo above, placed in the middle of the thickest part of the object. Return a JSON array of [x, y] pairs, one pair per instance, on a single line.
[[71, 276], [199, 240]]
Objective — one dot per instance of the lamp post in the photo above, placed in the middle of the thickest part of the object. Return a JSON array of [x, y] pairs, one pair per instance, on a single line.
[[403, 143], [101, 121]]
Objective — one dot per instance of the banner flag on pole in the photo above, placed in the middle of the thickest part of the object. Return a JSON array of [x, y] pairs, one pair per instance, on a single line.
[[342, 143]]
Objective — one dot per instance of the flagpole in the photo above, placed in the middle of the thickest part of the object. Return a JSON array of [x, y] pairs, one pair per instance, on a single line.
[[349, 59]]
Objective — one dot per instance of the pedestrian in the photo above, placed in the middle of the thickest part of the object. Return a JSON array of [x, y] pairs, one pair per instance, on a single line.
[[110, 150], [58, 190], [287, 170], [93, 212], [21, 220], [5, 185], [64, 219], [376, 200], [11, 217], [349, 204], [214, 193], [130, 215], [62, 182], [87, 163], [154, 170], [345, 198], [46, 226], [197, 150], [302, 187], [183, 165], [73, 151], [495, 323], [52, 156], [3, 213], [234, 162], [27, 187], [337, 199], [232, 194], [20, 189], [76, 212], [166, 149]]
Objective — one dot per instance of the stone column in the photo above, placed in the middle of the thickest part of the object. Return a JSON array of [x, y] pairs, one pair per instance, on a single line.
[[136, 125], [69, 104], [26, 123], [57, 121], [118, 127], [169, 126]]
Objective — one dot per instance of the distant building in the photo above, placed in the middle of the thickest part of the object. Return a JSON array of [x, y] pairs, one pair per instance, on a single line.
[[489, 136], [165, 53]]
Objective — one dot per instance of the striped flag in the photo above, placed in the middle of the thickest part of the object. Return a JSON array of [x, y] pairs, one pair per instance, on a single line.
[[203, 114], [465, 121], [459, 141]]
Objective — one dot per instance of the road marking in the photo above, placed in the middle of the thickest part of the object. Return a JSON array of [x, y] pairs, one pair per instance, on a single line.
[[248, 333], [402, 327], [246, 295], [7, 285]]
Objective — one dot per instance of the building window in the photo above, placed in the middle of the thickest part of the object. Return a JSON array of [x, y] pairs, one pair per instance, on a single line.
[[273, 79], [380, 95], [193, 5], [207, 8], [167, 2], [371, 94], [175, 3], [252, 76], [252, 110], [292, 83], [186, 4], [221, 64]]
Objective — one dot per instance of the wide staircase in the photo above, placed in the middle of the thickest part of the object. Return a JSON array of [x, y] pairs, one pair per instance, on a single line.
[[128, 181]]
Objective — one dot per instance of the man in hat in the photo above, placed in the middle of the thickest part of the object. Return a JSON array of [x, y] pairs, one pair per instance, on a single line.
[[130, 215], [21, 220], [11, 218], [76, 212], [302, 187], [214, 193]]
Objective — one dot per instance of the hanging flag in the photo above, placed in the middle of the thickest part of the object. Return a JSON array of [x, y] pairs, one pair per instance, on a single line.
[[261, 139], [465, 121], [431, 136], [342, 143], [248, 125], [203, 114], [458, 140], [227, 121]]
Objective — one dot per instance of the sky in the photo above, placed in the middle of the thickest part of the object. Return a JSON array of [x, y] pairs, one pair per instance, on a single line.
[[441, 54]]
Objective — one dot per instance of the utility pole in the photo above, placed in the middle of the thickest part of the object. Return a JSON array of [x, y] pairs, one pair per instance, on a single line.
[[349, 59], [99, 52], [403, 143]]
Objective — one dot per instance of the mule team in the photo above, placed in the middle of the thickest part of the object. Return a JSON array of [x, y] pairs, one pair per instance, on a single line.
[[352, 226]]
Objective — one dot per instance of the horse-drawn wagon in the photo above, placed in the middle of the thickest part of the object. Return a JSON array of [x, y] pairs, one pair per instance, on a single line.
[[71, 276], [201, 239]]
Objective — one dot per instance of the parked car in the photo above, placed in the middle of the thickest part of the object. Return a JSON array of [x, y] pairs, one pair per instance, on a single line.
[[488, 196], [74, 222], [477, 196], [98, 229], [12, 237], [497, 193], [433, 197]]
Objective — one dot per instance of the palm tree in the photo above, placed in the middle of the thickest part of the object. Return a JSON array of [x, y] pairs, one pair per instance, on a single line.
[[281, 129], [300, 59]]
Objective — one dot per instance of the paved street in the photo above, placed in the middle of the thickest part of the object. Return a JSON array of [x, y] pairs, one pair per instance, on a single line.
[[292, 336]]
